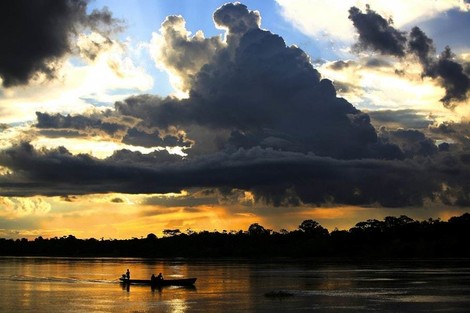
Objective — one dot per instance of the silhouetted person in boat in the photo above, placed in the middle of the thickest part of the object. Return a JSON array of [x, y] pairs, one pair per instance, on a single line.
[[160, 277], [153, 278], [128, 274]]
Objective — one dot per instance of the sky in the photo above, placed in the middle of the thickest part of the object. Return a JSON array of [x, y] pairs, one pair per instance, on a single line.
[[119, 119]]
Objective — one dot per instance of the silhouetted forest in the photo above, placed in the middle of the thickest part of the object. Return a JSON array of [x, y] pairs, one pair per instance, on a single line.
[[400, 237]]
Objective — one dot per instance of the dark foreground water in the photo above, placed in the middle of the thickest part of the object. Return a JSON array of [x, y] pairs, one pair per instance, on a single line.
[[91, 285]]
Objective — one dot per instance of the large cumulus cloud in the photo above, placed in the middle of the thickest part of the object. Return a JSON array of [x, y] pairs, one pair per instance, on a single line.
[[37, 34], [260, 90]]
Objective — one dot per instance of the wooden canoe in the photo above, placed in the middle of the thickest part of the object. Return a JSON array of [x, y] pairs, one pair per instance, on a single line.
[[159, 283]]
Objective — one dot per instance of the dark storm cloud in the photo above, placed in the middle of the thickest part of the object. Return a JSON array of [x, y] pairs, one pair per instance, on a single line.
[[452, 77], [265, 172], [451, 74], [58, 172], [377, 33], [73, 123], [273, 176], [37, 34], [58, 125]]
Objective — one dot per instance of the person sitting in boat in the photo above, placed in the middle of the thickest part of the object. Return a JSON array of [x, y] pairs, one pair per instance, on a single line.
[[124, 276], [128, 274], [159, 277]]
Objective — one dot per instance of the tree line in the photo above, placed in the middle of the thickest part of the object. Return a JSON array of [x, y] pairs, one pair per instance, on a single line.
[[392, 237]]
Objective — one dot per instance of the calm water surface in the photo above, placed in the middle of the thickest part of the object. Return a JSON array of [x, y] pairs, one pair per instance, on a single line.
[[91, 285]]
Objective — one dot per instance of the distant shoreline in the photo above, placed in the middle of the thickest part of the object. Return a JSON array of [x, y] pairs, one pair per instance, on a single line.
[[394, 237], [251, 260]]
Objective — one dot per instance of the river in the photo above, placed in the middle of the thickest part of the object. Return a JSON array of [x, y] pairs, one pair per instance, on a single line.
[[66, 285]]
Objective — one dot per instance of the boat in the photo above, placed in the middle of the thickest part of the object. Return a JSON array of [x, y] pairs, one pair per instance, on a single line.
[[159, 282]]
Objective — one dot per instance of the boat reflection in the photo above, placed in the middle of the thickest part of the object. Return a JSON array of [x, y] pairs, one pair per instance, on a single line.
[[160, 288], [127, 287]]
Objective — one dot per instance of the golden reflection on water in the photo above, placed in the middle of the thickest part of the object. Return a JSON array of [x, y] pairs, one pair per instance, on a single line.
[[178, 306], [91, 285], [26, 299]]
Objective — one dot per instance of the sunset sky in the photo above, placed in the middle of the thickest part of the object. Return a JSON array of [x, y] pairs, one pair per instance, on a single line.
[[123, 118]]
